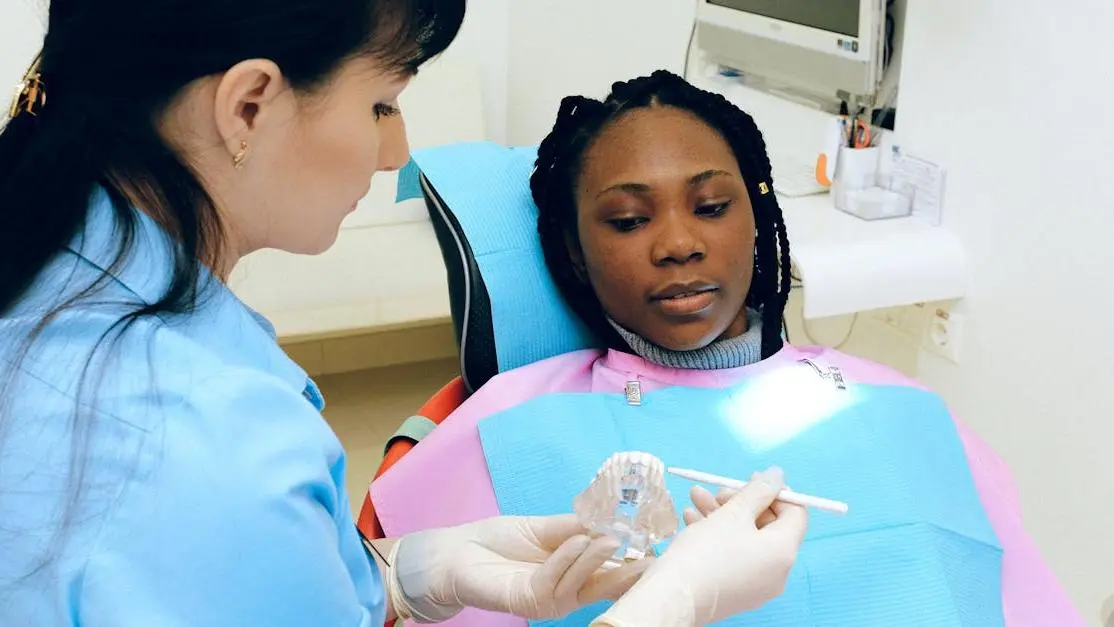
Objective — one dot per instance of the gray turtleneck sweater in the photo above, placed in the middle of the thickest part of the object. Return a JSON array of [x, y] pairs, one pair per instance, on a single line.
[[733, 352]]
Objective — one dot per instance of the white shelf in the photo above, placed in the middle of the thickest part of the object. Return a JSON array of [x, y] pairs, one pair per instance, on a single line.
[[848, 265]]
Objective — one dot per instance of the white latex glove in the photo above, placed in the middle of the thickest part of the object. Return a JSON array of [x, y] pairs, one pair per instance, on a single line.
[[533, 567], [720, 565], [704, 503]]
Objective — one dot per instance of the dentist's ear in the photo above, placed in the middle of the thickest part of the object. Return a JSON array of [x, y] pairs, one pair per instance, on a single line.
[[244, 100]]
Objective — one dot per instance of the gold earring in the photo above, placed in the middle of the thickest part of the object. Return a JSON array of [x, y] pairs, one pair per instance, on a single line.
[[238, 158], [763, 188], [30, 95]]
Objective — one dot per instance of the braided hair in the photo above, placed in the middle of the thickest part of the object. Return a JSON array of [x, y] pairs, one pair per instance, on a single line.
[[553, 183]]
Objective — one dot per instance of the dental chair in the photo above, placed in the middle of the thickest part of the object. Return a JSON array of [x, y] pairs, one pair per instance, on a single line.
[[505, 308]]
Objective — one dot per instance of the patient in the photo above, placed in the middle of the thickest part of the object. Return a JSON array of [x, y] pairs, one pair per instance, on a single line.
[[660, 227], [654, 234]]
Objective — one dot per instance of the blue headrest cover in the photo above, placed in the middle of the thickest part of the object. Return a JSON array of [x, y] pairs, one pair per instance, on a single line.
[[486, 188]]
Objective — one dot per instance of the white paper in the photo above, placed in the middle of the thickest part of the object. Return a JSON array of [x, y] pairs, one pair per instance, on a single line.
[[927, 180]]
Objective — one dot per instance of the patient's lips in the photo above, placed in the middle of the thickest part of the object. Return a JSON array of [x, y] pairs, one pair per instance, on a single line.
[[685, 299]]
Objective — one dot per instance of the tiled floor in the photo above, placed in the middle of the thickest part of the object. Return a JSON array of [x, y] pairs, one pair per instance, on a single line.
[[364, 409]]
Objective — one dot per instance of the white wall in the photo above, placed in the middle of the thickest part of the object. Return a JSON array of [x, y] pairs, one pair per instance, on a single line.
[[1009, 95], [21, 36], [582, 47], [483, 40]]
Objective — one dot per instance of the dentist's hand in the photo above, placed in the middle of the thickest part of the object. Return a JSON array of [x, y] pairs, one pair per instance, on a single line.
[[533, 567], [731, 558]]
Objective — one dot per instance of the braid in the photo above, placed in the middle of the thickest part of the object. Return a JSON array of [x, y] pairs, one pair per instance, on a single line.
[[775, 316], [552, 184]]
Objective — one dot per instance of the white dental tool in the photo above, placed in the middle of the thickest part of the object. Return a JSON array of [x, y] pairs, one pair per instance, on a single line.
[[786, 495]]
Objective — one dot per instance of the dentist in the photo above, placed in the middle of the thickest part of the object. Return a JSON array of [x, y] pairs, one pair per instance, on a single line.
[[162, 462]]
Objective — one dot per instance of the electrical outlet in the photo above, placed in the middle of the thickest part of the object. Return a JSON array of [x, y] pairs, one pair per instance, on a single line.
[[944, 334]]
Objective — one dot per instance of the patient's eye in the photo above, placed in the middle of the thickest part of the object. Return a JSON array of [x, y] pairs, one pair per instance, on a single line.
[[385, 110], [712, 210], [626, 225]]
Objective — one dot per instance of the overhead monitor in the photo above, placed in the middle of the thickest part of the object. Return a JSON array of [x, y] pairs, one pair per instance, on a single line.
[[830, 49]]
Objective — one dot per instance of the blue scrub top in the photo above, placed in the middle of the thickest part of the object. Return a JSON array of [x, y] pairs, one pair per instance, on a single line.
[[211, 489]]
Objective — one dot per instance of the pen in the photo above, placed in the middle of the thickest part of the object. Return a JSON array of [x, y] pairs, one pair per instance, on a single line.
[[786, 495]]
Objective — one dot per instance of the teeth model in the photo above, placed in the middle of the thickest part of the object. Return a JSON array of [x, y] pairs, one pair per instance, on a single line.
[[628, 500]]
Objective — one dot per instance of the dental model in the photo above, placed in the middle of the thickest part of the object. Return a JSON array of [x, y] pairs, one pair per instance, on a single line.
[[629, 501]]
